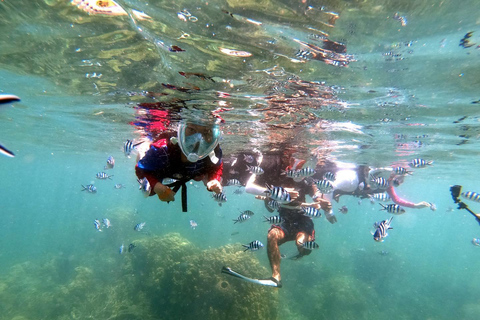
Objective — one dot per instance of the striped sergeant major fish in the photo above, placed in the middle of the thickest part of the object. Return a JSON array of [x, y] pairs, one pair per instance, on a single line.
[[325, 186], [420, 163], [311, 212], [273, 204], [129, 146], [253, 246], [106, 223], [255, 170], [310, 245], [103, 176], [380, 196], [220, 198], [273, 219], [401, 171], [144, 186], [242, 218], [278, 194], [470, 195], [233, 182], [393, 208], [110, 163], [121, 250], [97, 225], [90, 188], [248, 212], [380, 183], [329, 176], [139, 226], [381, 229]]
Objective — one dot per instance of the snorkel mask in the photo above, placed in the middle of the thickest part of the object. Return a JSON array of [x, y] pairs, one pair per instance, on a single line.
[[198, 141]]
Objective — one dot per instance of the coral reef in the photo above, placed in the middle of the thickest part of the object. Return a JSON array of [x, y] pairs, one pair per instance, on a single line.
[[163, 278]]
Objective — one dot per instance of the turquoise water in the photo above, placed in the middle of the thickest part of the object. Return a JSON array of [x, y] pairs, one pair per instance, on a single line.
[[380, 112]]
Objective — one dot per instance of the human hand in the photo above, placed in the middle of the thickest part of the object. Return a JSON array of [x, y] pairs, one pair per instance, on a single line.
[[164, 193], [214, 186], [422, 204], [293, 193], [323, 204]]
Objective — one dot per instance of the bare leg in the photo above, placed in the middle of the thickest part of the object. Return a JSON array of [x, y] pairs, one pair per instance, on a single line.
[[301, 238], [275, 239]]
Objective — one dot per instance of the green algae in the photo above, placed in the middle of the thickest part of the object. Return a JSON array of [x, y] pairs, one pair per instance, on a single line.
[[163, 278]]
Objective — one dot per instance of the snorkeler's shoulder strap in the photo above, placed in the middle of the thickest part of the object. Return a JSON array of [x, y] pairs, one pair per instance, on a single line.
[[182, 184]]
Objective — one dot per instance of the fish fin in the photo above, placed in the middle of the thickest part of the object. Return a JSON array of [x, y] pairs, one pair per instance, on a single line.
[[384, 207]]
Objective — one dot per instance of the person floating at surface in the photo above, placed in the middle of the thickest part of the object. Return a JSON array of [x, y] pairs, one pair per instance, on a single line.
[[193, 153], [394, 180], [295, 225]]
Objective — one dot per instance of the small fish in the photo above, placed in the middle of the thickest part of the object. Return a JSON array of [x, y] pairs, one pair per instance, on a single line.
[[401, 171], [380, 183], [253, 246], [242, 218], [248, 158], [129, 146], [255, 170], [393, 208], [110, 163], [220, 198], [167, 181], [233, 182], [119, 186], [103, 176], [144, 185], [90, 188], [306, 172], [381, 229], [239, 191], [292, 174], [279, 194], [325, 186], [131, 246], [121, 250], [273, 219], [329, 176], [310, 245], [343, 209], [312, 212], [97, 225], [471, 196], [248, 212], [139, 226], [273, 204], [400, 18], [381, 196], [234, 233], [193, 224], [106, 223], [476, 242], [420, 163]]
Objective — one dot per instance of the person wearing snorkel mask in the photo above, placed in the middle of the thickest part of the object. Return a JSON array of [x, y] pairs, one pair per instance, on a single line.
[[194, 153]]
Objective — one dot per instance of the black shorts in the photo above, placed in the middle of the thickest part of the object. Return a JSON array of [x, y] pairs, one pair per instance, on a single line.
[[295, 221]]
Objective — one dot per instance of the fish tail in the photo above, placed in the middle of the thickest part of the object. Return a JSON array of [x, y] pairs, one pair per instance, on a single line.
[[84, 188], [384, 207]]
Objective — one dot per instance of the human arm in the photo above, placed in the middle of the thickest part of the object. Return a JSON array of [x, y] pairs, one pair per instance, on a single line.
[[214, 177]]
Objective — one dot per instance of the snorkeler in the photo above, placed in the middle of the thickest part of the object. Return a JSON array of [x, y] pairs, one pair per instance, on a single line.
[[395, 180], [193, 153], [294, 222]]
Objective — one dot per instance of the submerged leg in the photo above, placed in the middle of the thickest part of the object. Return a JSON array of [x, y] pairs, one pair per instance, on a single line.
[[275, 239]]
